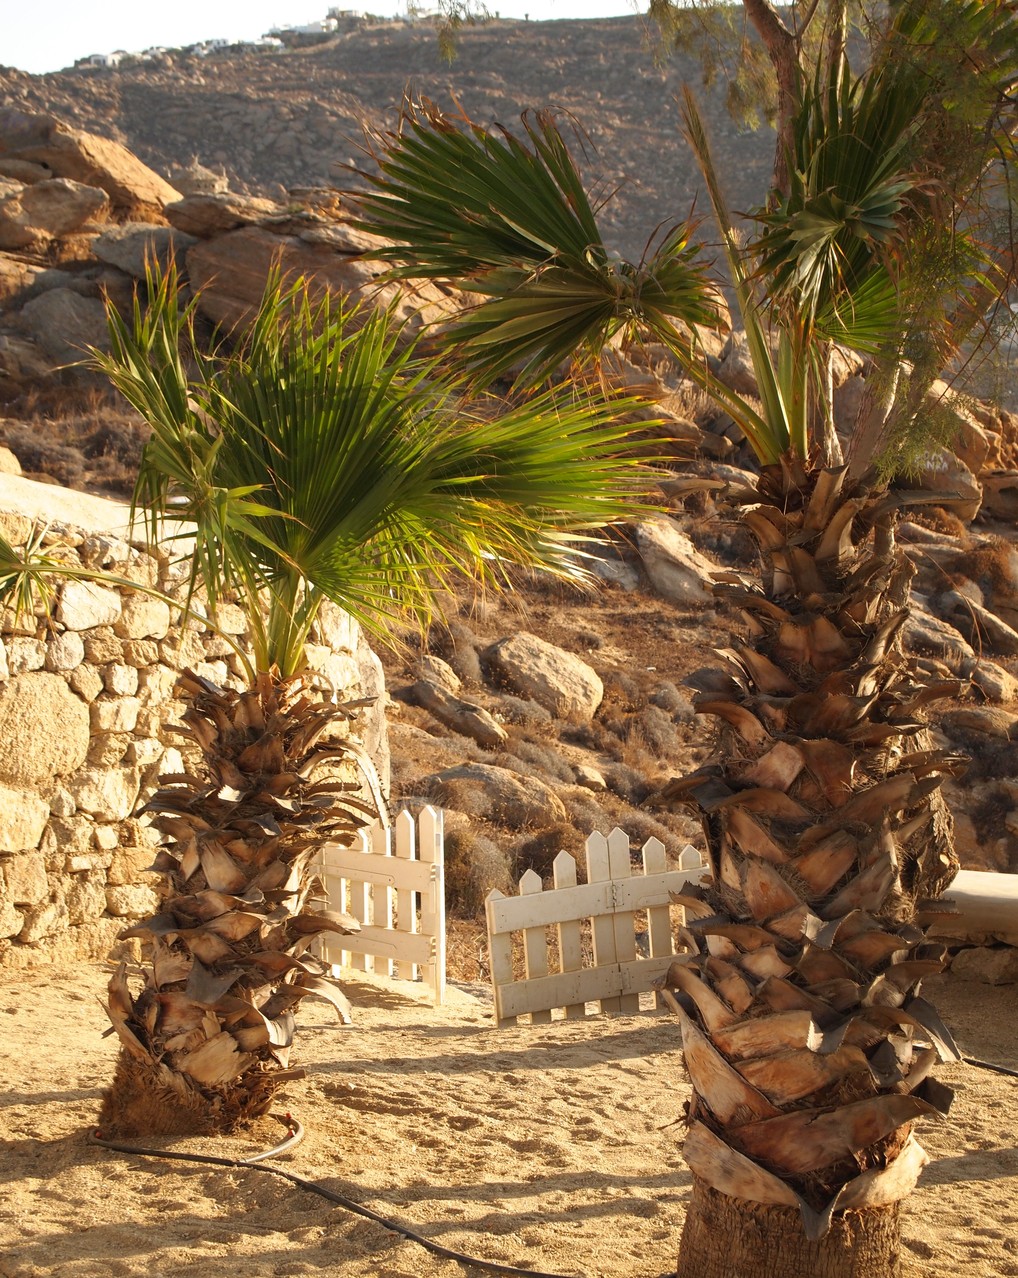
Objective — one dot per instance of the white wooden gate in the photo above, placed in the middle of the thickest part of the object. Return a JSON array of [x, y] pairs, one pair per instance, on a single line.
[[593, 955], [393, 881]]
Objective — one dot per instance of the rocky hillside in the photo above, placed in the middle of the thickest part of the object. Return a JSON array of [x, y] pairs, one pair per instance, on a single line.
[[274, 121]]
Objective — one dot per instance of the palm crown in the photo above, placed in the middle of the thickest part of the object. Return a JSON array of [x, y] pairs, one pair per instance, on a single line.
[[323, 458]]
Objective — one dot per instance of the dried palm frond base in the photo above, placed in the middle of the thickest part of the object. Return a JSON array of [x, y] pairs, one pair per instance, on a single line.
[[205, 1042], [735, 1238], [154, 1100]]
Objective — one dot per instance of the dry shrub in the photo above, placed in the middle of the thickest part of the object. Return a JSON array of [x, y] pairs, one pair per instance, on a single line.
[[456, 643], [529, 758], [538, 851], [81, 437], [474, 865], [523, 712], [629, 784], [993, 567]]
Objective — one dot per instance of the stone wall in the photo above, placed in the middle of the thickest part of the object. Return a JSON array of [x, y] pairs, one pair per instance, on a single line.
[[85, 700]]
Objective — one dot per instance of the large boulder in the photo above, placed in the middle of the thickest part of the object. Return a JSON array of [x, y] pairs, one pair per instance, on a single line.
[[64, 324], [230, 273], [32, 216], [549, 675], [136, 192], [206, 215], [133, 246], [30, 756]]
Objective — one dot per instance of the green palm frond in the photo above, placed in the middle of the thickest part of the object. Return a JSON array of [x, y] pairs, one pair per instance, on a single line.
[[510, 220], [324, 458]]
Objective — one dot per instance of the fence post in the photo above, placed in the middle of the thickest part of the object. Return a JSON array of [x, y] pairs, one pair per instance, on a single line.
[[570, 936], [430, 828], [603, 927]]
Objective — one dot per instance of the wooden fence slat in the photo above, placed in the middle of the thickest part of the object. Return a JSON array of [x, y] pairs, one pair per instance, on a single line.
[[570, 934], [500, 959], [620, 867], [404, 833], [659, 922], [535, 945], [602, 929]]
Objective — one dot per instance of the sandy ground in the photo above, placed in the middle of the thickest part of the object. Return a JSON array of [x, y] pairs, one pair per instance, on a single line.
[[553, 1147]]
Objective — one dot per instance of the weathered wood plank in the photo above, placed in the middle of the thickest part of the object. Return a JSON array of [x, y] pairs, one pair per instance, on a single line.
[[570, 935], [500, 960]]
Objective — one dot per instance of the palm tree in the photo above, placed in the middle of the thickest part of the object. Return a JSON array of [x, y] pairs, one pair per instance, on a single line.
[[808, 1045], [323, 458]]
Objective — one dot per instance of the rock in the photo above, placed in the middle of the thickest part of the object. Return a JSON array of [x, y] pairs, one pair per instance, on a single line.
[[496, 794], [24, 877], [677, 570], [993, 681], [115, 714], [86, 681], [588, 777], [23, 819], [435, 670], [464, 717], [230, 272], [142, 617], [736, 368], [968, 440], [42, 921], [110, 796], [923, 633], [65, 651], [202, 216], [24, 654], [985, 627], [84, 605], [610, 564], [996, 965], [63, 324], [85, 898], [34, 215], [1000, 494], [120, 680], [957, 489], [552, 677], [11, 920], [131, 901], [994, 722], [29, 756], [135, 191], [131, 247]]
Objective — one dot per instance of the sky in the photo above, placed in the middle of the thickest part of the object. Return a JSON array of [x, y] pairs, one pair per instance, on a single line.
[[57, 33]]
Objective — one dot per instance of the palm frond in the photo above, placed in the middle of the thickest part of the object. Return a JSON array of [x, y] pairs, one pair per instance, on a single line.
[[510, 220]]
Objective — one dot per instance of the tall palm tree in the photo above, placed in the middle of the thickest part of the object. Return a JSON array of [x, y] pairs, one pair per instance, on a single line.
[[807, 1042], [323, 458]]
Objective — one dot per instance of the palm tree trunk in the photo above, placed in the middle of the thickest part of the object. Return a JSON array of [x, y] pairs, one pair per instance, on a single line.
[[205, 1042], [732, 1238], [806, 1040]]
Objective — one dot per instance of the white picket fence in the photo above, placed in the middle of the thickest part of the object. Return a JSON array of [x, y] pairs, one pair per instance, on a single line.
[[393, 881], [614, 915]]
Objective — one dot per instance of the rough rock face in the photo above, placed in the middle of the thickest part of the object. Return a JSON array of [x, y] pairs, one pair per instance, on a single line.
[[677, 570], [32, 216], [136, 193], [549, 675], [27, 755]]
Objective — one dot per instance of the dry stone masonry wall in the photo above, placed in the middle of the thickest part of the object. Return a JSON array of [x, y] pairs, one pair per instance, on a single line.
[[85, 700]]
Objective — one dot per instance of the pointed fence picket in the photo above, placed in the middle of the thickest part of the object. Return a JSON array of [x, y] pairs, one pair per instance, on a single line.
[[608, 907], [393, 881]]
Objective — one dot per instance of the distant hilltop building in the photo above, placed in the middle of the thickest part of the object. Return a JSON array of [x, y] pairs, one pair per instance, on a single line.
[[335, 21]]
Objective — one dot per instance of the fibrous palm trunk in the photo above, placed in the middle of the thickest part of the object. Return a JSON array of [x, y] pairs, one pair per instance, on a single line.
[[205, 1042], [807, 1044]]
